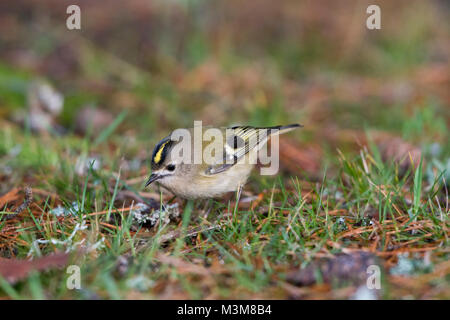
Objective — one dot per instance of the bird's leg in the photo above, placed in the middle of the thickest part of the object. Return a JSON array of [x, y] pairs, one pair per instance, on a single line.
[[207, 208]]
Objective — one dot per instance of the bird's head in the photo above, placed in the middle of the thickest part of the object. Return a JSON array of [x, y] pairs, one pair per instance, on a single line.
[[163, 165]]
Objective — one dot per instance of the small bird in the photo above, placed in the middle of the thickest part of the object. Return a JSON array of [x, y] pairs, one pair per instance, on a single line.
[[228, 172]]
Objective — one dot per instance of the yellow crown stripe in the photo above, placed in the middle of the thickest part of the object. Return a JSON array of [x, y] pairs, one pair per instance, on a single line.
[[157, 157]]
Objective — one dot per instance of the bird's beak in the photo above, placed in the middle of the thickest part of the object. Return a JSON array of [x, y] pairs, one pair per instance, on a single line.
[[152, 178]]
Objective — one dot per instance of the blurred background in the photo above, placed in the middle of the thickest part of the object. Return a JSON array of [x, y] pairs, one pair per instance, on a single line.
[[137, 70], [100, 98], [261, 62]]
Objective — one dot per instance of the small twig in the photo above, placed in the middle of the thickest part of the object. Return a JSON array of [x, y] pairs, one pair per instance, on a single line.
[[27, 201]]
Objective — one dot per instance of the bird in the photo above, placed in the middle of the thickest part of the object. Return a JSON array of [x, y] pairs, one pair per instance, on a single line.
[[227, 170]]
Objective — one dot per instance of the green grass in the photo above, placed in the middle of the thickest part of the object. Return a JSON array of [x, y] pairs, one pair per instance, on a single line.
[[257, 247]]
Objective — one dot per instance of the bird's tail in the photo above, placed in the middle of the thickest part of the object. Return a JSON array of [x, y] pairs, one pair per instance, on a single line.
[[284, 129]]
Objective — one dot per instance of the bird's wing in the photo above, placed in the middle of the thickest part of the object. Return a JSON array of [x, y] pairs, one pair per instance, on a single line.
[[241, 140]]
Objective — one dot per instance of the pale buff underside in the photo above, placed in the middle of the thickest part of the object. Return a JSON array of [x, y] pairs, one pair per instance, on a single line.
[[201, 186]]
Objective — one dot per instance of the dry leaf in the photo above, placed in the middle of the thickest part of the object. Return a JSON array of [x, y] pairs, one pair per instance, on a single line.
[[8, 197], [398, 150], [344, 267], [14, 270], [295, 157]]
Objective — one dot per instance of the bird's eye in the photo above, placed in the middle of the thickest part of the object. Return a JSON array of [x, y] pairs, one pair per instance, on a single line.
[[171, 167]]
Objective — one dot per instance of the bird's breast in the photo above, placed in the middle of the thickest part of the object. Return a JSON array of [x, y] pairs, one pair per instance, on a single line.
[[208, 186]]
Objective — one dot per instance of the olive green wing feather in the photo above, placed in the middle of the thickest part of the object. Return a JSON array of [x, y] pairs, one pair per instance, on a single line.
[[241, 140]]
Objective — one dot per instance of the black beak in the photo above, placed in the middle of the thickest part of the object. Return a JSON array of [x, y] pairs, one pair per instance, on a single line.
[[152, 178]]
